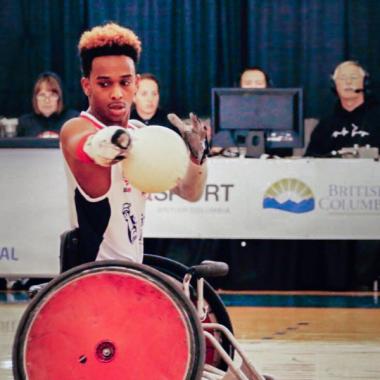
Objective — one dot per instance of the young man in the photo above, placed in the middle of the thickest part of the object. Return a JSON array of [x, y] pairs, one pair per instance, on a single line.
[[355, 119], [109, 211]]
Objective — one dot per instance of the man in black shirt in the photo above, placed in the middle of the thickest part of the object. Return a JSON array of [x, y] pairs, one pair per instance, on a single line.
[[355, 119]]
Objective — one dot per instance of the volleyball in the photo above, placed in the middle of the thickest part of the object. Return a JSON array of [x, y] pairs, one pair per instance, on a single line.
[[157, 160]]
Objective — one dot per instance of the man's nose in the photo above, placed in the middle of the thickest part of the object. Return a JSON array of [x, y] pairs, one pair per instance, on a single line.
[[116, 93]]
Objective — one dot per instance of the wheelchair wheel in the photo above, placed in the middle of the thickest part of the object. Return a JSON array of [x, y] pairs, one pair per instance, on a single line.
[[217, 311], [109, 320]]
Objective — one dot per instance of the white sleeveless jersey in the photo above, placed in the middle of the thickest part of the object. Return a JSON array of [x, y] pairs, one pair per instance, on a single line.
[[110, 226]]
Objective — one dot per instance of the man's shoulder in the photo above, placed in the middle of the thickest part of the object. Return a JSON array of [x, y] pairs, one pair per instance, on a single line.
[[77, 120], [77, 125]]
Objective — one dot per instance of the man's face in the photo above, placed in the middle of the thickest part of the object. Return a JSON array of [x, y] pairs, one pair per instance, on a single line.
[[348, 79], [110, 88], [147, 98], [253, 79]]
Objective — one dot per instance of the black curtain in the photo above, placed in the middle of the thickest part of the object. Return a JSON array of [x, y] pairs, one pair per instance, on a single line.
[[192, 45], [38, 35], [299, 43]]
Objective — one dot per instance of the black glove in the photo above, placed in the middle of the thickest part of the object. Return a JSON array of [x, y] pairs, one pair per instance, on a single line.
[[194, 135]]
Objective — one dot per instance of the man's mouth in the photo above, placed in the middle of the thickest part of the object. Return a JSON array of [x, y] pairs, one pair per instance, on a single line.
[[117, 108]]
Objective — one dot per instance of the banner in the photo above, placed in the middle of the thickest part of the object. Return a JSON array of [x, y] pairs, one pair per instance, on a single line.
[[33, 211], [244, 199], [276, 199]]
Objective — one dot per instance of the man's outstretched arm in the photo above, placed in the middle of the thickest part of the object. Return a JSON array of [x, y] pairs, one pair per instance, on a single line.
[[191, 187]]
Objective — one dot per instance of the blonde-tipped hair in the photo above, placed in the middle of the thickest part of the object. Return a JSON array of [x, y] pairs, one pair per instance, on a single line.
[[108, 39]]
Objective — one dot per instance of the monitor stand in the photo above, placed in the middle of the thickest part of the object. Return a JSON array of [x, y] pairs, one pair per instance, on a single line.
[[255, 143]]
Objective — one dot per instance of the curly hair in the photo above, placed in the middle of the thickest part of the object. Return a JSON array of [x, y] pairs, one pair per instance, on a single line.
[[108, 39]]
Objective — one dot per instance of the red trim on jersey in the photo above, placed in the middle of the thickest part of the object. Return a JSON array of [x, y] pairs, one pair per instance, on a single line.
[[92, 121], [81, 154], [98, 124]]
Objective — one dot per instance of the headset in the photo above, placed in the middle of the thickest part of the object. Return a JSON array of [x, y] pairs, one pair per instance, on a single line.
[[256, 68], [366, 79]]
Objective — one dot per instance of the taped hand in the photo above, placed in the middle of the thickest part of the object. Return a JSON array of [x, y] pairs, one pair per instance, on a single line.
[[108, 145]]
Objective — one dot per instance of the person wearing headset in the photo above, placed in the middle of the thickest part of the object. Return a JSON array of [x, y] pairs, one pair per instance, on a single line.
[[355, 119], [252, 77]]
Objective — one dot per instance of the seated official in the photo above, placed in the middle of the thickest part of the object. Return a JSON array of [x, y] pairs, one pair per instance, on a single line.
[[146, 103], [254, 77], [48, 114], [355, 119]]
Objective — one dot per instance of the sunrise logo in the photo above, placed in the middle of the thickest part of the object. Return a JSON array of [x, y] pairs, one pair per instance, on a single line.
[[291, 195]]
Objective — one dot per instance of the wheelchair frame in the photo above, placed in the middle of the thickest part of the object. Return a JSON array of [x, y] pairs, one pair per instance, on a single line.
[[207, 344]]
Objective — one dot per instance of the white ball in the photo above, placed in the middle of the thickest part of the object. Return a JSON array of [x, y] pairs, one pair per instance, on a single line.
[[157, 160]]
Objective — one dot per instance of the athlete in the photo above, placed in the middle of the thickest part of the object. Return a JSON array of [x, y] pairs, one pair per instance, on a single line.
[[108, 210]]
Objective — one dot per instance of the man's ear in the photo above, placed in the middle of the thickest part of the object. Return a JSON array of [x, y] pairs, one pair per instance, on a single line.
[[85, 83]]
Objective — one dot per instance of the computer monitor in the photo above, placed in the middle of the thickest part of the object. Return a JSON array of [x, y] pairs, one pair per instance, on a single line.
[[276, 113]]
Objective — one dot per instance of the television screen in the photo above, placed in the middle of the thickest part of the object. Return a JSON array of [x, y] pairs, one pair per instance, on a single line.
[[278, 112]]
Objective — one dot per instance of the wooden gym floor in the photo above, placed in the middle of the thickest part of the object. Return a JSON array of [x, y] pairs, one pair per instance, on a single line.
[[292, 336]]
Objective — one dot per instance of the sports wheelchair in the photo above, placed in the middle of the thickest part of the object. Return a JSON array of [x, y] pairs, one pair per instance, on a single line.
[[159, 320]]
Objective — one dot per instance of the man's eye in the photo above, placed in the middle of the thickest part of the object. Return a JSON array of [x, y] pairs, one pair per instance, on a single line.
[[103, 84], [126, 82]]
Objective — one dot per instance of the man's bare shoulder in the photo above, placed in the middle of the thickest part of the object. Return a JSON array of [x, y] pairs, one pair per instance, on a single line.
[[76, 128], [76, 124]]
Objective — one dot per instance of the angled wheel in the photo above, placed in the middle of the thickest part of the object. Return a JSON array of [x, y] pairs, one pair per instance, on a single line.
[[109, 320], [217, 311]]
